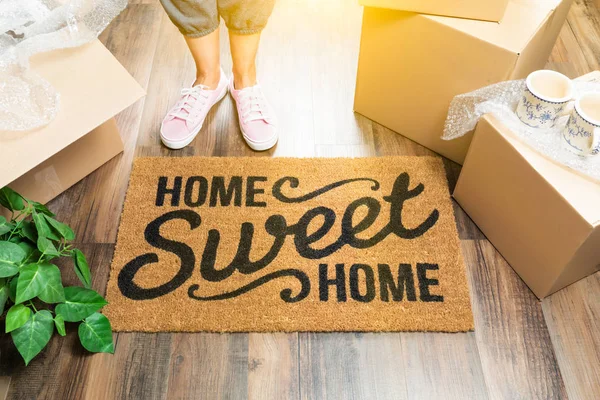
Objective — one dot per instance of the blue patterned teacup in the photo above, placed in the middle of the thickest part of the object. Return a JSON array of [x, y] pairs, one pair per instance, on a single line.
[[582, 133], [545, 99]]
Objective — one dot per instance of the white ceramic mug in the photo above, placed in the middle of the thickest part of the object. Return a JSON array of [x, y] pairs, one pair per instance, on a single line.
[[582, 133], [545, 99]]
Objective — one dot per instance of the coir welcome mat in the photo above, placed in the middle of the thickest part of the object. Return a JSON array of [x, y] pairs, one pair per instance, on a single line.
[[262, 244]]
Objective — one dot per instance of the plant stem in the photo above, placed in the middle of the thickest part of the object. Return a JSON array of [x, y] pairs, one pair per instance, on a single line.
[[14, 230], [13, 218], [31, 304]]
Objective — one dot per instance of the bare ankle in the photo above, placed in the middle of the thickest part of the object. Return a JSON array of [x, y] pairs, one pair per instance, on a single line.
[[244, 80], [211, 80]]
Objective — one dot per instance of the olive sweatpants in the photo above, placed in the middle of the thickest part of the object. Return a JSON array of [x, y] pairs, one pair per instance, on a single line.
[[196, 18]]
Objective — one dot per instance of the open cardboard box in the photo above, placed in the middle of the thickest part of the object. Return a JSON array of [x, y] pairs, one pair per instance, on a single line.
[[541, 216], [486, 10], [411, 65], [93, 87]]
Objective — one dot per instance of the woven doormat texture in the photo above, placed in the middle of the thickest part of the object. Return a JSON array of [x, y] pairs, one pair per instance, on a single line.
[[277, 244]]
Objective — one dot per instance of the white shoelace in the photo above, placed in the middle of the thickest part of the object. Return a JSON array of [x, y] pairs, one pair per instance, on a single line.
[[254, 105], [189, 100]]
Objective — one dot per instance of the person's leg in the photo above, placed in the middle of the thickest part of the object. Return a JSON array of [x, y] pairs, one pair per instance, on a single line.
[[206, 53], [245, 19], [198, 21], [243, 55]]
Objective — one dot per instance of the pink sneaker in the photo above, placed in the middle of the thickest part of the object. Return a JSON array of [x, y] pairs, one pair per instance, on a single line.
[[185, 119], [257, 120]]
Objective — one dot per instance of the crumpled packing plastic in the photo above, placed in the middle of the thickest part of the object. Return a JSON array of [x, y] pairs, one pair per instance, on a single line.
[[28, 27], [501, 100]]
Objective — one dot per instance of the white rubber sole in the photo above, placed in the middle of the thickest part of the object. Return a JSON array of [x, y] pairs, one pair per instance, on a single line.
[[180, 144], [261, 146]]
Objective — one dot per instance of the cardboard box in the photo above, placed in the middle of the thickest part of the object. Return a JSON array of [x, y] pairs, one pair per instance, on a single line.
[[542, 217], [411, 66], [485, 10], [67, 167], [42, 163]]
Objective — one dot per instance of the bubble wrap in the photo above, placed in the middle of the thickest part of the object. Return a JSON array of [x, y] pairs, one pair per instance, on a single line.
[[28, 27], [501, 100]]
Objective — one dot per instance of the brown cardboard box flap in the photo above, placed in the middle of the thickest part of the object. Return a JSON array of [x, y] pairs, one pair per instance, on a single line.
[[487, 10], [521, 21], [93, 88]]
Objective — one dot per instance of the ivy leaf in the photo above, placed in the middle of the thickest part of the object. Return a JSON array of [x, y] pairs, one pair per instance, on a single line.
[[53, 291], [11, 252], [62, 229], [3, 294], [11, 199], [80, 303], [39, 207], [7, 270], [42, 227], [11, 256], [32, 337], [30, 283], [31, 252], [47, 247], [16, 317], [82, 268], [59, 322], [15, 239], [29, 230], [5, 226], [95, 334], [12, 290]]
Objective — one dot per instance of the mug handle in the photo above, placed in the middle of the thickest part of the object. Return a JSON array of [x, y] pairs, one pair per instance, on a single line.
[[595, 141], [568, 108]]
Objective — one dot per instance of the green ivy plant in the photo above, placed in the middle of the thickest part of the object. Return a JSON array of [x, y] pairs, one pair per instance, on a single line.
[[31, 287]]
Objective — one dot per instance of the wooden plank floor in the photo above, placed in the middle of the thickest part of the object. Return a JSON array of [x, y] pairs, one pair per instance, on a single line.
[[521, 348]]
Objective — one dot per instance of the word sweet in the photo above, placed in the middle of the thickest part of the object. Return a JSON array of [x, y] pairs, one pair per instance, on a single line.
[[196, 192]]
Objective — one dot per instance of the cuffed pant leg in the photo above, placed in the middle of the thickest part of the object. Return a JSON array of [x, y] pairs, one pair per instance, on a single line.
[[193, 18], [245, 17]]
